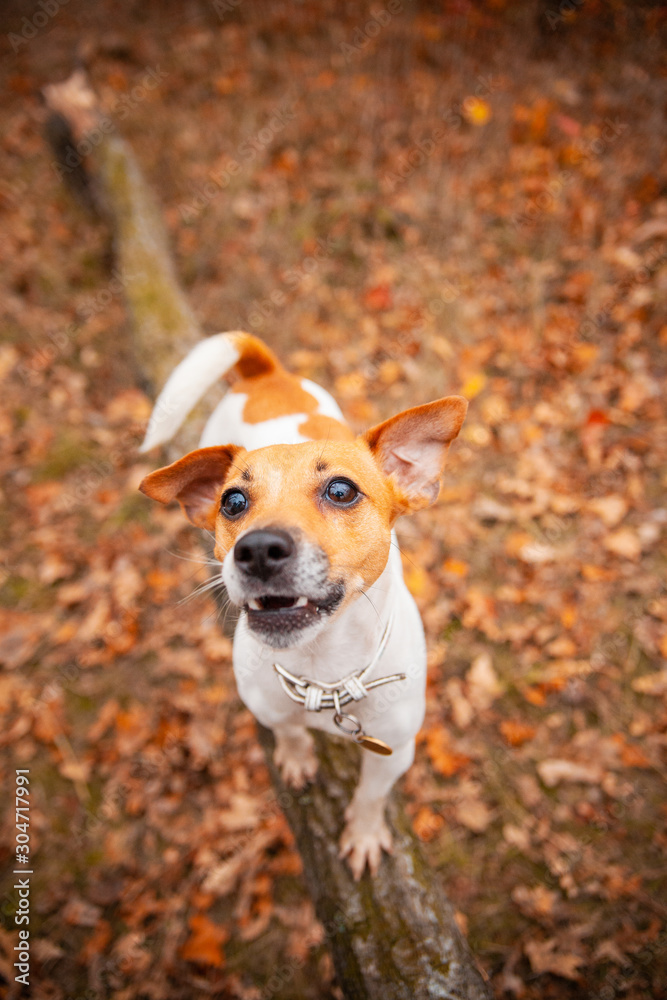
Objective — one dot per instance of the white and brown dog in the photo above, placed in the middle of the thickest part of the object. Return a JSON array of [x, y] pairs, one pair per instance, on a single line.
[[302, 512]]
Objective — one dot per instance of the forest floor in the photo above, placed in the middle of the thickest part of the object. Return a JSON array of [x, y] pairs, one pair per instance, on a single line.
[[458, 199]]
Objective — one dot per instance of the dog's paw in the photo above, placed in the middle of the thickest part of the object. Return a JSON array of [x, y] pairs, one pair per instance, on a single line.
[[363, 844], [296, 771]]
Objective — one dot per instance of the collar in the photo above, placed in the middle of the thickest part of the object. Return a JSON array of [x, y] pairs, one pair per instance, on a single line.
[[316, 695]]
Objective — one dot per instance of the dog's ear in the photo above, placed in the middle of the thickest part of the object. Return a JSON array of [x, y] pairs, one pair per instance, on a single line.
[[194, 481], [412, 447]]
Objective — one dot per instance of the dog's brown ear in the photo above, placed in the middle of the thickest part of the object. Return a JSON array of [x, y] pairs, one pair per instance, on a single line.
[[194, 481], [412, 447]]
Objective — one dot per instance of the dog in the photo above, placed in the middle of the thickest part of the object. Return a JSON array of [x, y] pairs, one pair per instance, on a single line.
[[302, 512]]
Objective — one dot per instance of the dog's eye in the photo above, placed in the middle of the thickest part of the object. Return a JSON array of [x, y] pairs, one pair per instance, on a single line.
[[341, 492], [234, 502]]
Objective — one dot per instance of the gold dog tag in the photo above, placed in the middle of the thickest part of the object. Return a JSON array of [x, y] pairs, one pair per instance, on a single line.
[[374, 744]]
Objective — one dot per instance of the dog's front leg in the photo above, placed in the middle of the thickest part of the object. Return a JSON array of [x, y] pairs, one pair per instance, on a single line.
[[295, 755], [366, 833]]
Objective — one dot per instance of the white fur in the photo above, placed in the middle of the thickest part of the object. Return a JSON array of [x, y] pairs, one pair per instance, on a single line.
[[203, 366], [227, 426], [327, 405]]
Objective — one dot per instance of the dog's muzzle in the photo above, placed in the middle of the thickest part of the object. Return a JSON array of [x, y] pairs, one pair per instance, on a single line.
[[283, 584]]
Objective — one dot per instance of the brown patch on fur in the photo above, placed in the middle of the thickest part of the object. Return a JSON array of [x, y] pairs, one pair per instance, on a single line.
[[318, 426], [277, 394], [280, 394], [274, 392], [255, 357]]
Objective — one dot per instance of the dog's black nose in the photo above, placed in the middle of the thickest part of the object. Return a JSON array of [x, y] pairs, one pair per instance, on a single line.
[[263, 553]]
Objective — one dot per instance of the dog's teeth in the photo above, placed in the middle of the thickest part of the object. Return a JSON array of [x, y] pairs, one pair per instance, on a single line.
[[301, 602], [255, 605]]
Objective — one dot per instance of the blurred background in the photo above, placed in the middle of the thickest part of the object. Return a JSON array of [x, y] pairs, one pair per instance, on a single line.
[[405, 199]]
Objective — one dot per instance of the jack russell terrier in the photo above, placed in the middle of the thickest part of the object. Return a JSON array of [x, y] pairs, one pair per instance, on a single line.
[[303, 512]]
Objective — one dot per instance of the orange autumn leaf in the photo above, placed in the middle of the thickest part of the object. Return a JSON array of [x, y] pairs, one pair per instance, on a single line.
[[516, 733], [473, 385], [534, 695], [417, 581], [476, 111], [445, 761], [568, 615], [49, 721], [205, 941], [158, 579], [619, 883], [597, 573], [97, 942], [427, 823], [378, 297], [631, 756], [598, 417], [456, 567]]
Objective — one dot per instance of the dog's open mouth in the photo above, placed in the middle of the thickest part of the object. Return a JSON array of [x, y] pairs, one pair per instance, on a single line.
[[275, 602], [277, 617]]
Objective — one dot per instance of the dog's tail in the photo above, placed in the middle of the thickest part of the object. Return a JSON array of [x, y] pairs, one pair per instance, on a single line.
[[214, 357]]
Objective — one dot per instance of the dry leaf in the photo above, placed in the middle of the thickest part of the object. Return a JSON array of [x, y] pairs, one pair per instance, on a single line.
[[81, 913], [538, 902], [483, 684], [444, 760], [204, 946], [476, 111], [553, 771], [610, 509], [427, 823], [517, 733], [543, 957], [624, 542], [473, 814], [462, 711], [654, 684], [517, 836]]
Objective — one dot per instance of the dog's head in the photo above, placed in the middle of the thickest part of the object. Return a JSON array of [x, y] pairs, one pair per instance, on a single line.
[[303, 529]]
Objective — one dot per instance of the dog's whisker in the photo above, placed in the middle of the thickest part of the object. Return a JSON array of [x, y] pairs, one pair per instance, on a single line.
[[202, 589], [193, 559], [364, 594]]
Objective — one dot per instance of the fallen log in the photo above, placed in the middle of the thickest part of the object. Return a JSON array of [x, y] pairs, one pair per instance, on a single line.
[[392, 937]]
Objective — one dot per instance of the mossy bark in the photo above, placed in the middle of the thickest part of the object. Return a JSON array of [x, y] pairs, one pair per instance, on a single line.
[[164, 327], [163, 323], [393, 937]]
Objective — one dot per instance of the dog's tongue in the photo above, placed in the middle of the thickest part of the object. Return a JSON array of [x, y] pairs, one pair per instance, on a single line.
[[278, 602]]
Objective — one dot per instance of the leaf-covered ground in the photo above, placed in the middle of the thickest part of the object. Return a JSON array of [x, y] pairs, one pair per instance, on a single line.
[[405, 200]]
